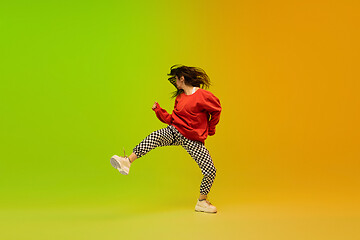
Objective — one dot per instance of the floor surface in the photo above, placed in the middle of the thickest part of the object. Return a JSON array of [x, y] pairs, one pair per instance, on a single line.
[[246, 221]]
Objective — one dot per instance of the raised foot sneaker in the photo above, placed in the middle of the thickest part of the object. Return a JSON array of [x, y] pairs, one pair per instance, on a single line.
[[121, 163], [205, 206]]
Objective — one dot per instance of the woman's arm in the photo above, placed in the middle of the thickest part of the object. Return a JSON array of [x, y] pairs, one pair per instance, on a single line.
[[213, 107], [162, 114]]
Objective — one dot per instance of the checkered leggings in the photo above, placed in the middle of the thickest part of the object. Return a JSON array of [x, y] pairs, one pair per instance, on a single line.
[[170, 136]]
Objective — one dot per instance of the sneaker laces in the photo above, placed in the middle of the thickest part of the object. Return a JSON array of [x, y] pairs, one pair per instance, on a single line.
[[207, 201], [126, 156]]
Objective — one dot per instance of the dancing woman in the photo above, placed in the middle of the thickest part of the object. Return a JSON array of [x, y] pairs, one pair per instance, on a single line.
[[195, 116]]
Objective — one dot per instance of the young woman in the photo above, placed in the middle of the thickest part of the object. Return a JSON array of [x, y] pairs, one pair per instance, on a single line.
[[195, 116]]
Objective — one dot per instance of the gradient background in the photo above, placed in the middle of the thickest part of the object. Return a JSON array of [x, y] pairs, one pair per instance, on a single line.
[[79, 78]]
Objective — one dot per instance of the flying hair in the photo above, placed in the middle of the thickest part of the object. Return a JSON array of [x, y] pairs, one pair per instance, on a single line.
[[194, 76]]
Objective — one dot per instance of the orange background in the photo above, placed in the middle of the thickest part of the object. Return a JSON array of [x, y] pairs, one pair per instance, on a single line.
[[289, 85]]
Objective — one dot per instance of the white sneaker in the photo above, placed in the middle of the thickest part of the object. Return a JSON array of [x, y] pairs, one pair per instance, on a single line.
[[205, 206], [121, 163]]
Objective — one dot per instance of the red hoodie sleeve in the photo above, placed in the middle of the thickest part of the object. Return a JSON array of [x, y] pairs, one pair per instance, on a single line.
[[163, 115], [213, 107]]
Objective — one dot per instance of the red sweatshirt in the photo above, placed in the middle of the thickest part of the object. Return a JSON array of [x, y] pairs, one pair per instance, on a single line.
[[194, 116]]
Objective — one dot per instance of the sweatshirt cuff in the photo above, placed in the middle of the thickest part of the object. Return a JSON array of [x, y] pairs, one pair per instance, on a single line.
[[211, 132], [157, 107]]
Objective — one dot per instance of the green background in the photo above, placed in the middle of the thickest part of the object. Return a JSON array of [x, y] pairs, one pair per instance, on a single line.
[[78, 83]]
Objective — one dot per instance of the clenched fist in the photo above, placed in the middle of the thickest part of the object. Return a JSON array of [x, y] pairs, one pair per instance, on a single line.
[[154, 106]]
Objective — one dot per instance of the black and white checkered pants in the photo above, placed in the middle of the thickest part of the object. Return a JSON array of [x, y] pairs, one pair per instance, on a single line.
[[170, 136]]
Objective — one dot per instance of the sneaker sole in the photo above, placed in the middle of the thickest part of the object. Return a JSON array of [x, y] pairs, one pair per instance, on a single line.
[[117, 166], [200, 210]]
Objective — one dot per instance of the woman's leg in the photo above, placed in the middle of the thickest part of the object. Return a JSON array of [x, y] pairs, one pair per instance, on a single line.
[[159, 138], [132, 157], [201, 155]]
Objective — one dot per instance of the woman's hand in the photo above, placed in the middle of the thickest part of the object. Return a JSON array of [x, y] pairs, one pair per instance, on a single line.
[[154, 106]]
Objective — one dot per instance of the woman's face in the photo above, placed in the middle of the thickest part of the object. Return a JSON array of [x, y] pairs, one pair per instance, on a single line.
[[179, 82]]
